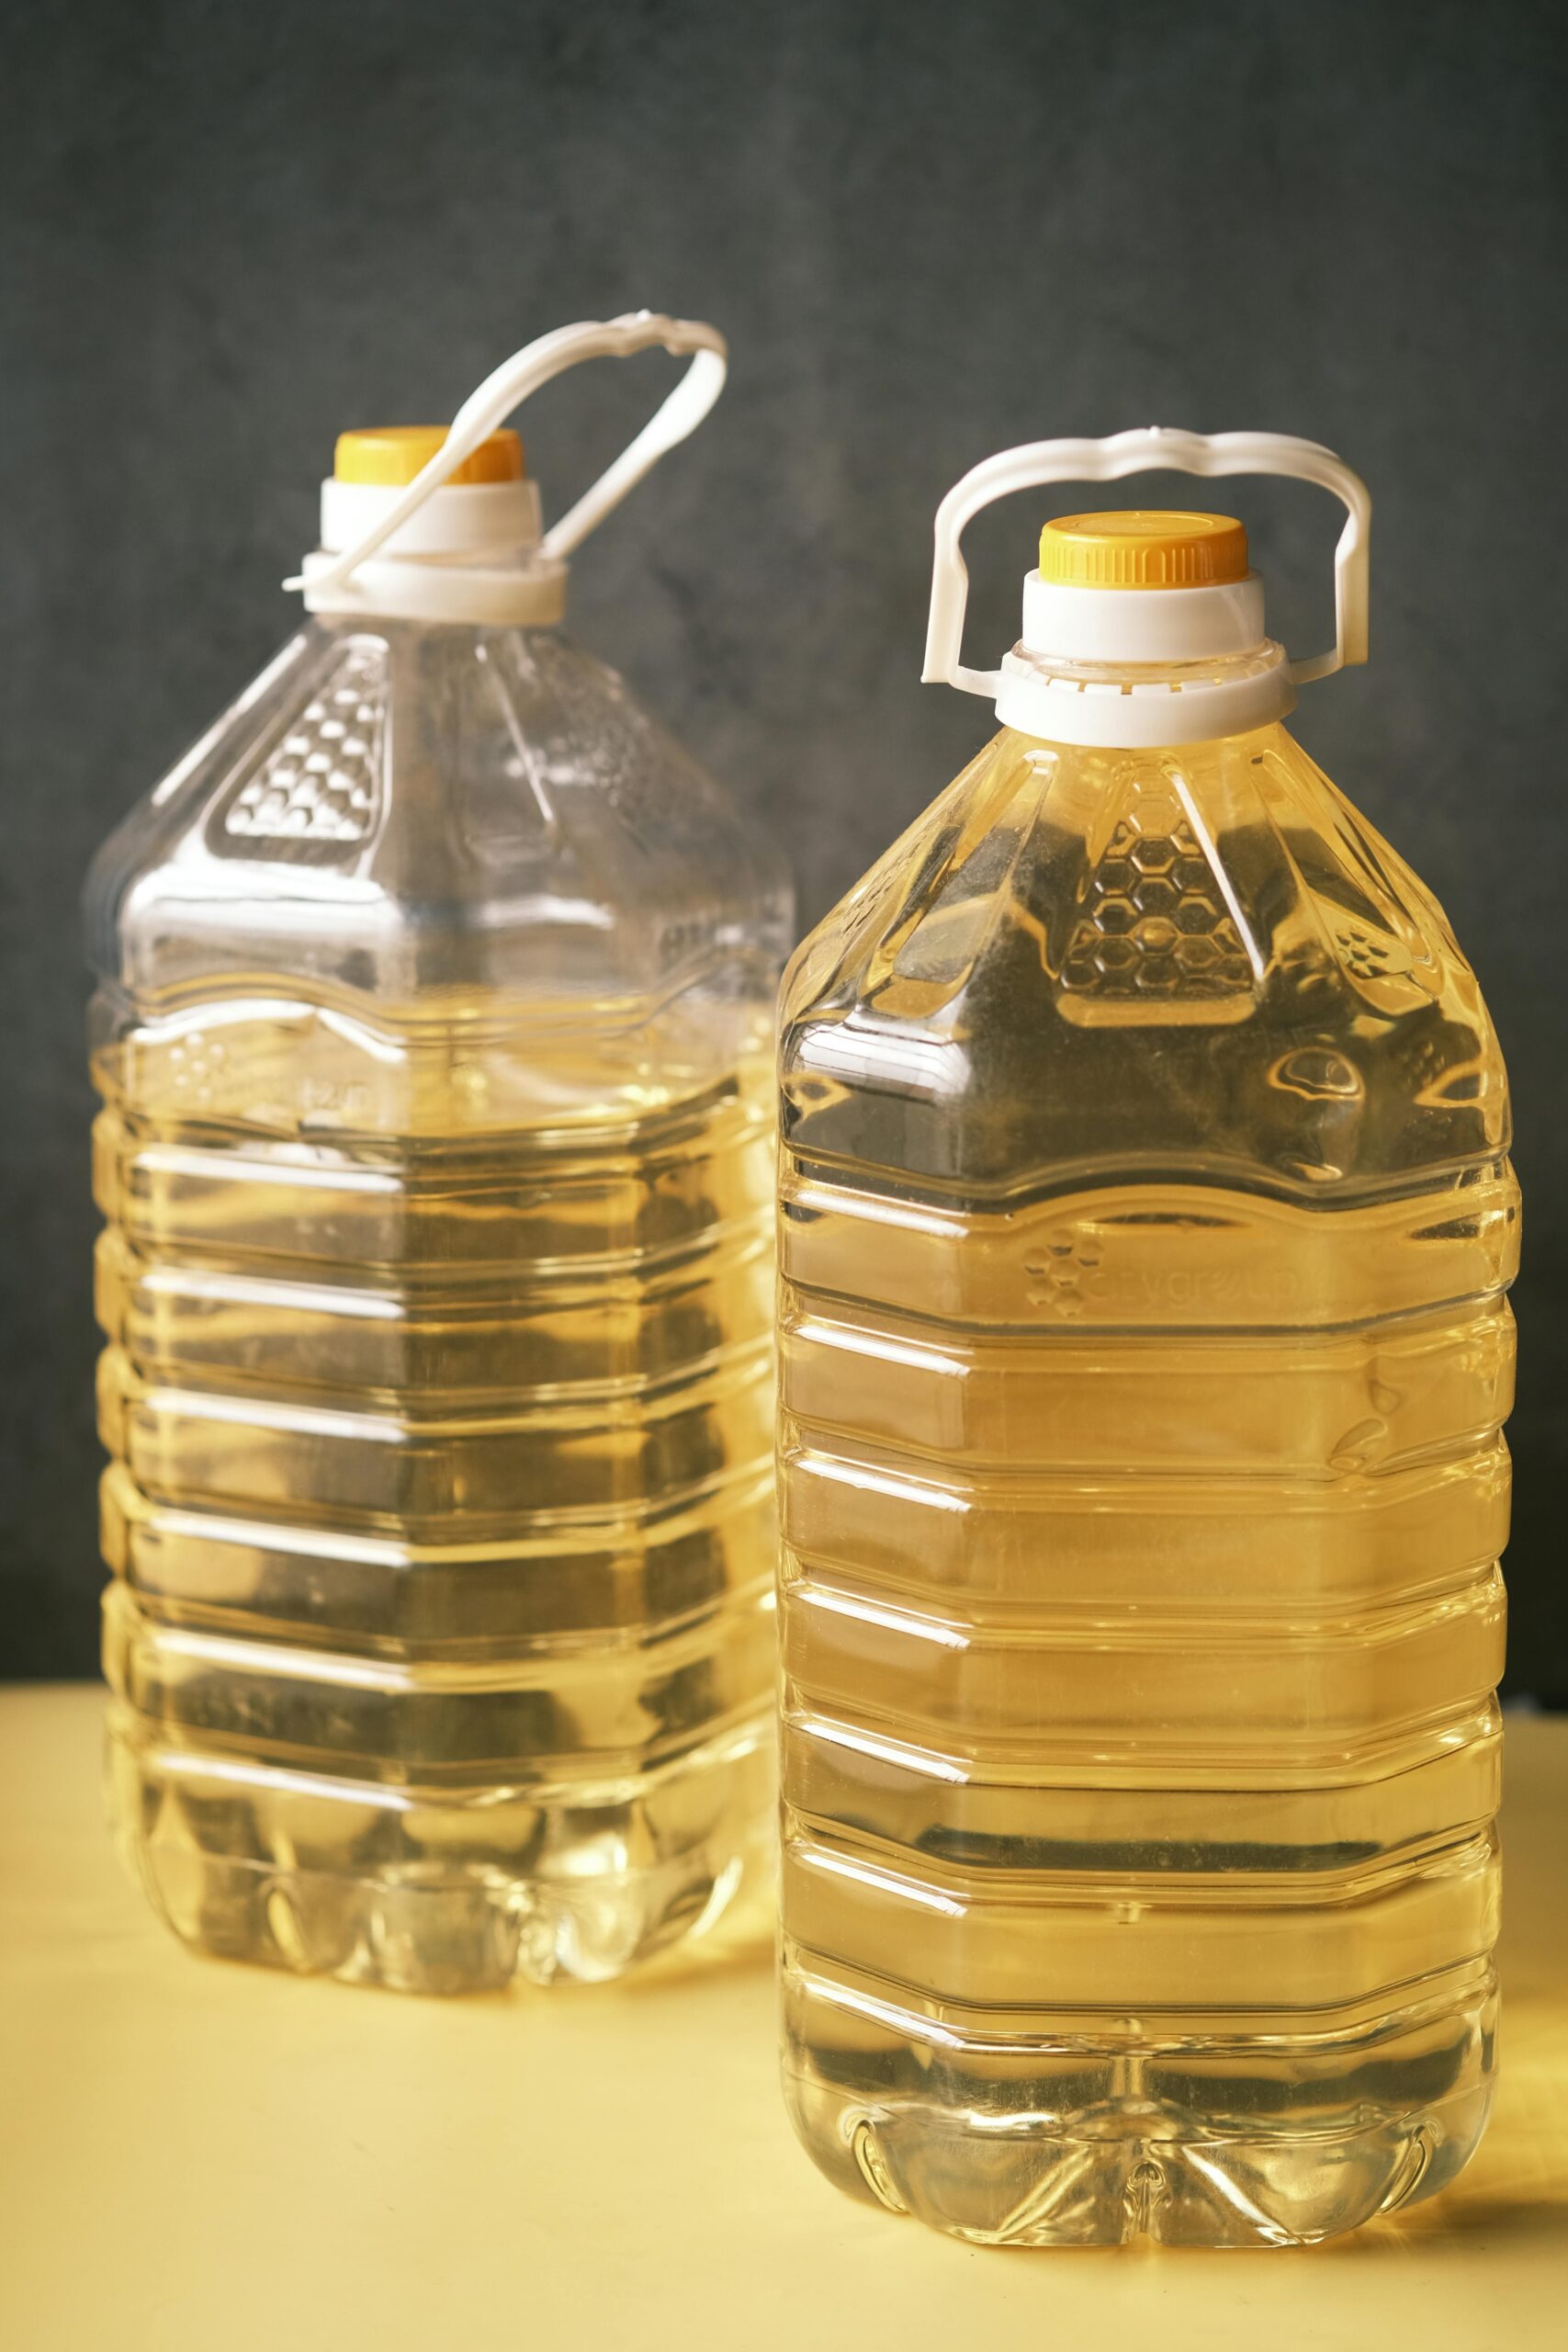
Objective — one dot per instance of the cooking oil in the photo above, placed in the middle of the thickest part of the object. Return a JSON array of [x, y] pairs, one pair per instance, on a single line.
[[1146, 1228], [439, 1509]]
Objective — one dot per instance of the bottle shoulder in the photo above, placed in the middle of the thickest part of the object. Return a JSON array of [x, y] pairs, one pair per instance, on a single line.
[[397, 807], [1200, 958]]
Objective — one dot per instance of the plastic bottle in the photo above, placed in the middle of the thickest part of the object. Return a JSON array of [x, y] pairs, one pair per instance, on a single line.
[[1147, 1221], [434, 1034]]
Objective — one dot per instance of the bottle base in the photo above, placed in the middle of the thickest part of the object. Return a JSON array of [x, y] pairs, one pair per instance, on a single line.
[[628, 1878], [1268, 2139], [1083, 2188]]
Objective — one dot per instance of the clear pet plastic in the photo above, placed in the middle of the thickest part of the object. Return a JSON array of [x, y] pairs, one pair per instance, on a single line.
[[435, 1010]]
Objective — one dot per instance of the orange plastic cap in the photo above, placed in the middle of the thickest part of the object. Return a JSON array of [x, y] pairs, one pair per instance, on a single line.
[[1142, 548], [391, 455]]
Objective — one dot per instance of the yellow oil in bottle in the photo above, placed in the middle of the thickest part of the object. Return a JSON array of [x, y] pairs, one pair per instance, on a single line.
[[1145, 1229], [438, 1393]]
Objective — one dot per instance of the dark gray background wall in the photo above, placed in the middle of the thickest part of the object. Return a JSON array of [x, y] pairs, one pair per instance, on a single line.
[[929, 232]]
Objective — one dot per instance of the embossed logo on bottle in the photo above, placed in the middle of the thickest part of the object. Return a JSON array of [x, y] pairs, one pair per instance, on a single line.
[[1143, 1274]]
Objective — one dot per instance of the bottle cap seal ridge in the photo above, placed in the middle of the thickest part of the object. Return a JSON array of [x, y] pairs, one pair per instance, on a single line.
[[391, 456], [1142, 549]]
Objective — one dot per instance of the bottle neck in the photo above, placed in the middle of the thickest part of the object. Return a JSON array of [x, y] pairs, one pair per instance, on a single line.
[[470, 553], [1141, 705], [1134, 668]]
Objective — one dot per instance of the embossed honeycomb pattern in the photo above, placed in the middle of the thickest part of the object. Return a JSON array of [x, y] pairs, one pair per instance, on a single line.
[[1364, 953], [197, 1070], [1059, 1272], [1153, 922], [319, 784]]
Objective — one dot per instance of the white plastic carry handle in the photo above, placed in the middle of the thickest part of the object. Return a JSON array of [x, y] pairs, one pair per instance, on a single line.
[[509, 384], [1145, 450]]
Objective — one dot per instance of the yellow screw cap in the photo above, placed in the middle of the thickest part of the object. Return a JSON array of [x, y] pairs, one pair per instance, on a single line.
[[1140, 549], [391, 455]]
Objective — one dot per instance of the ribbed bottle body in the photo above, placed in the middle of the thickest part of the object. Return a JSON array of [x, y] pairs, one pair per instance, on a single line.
[[437, 1286], [1144, 1356]]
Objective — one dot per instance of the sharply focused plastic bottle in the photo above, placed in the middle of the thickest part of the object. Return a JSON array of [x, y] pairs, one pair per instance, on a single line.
[[434, 1035], [1146, 1224]]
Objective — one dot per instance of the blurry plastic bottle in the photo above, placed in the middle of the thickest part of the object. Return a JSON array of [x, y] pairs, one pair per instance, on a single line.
[[433, 1035], [1147, 1225]]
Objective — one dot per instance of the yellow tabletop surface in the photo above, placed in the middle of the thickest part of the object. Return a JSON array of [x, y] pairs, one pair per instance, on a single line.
[[201, 2157]]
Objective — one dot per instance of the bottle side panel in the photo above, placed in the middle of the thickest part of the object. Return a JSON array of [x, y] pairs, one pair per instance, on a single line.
[[441, 1633], [1141, 1615]]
